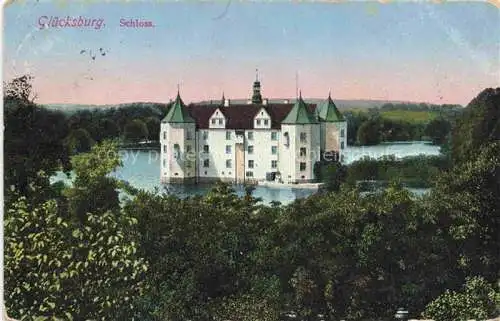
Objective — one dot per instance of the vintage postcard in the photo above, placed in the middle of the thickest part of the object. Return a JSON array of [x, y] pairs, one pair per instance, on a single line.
[[251, 160]]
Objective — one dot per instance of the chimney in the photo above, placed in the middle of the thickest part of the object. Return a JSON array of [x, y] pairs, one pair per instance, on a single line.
[[265, 101], [226, 102]]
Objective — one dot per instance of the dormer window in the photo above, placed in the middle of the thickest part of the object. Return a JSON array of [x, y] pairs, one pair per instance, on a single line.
[[258, 122], [220, 121], [286, 137], [213, 121], [266, 122]]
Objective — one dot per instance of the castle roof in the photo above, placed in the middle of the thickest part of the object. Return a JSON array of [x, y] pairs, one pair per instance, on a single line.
[[299, 114], [241, 116], [178, 113], [328, 112]]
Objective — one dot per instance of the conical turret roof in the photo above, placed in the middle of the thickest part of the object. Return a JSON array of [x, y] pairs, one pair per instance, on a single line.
[[178, 112], [299, 114], [328, 112]]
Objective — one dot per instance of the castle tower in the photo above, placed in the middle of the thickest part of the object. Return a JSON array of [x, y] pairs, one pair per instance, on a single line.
[[256, 97], [333, 129], [178, 144], [299, 149]]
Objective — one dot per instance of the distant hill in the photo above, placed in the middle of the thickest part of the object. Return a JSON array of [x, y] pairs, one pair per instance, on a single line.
[[356, 104], [72, 108], [361, 104]]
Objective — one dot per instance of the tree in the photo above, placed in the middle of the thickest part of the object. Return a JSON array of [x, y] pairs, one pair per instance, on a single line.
[[466, 201], [79, 141], [135, 131], [478, 126], [369, 132], [34, 137], [55, 268], [438, 129], [108, 129], [478, 300], [153, 125], [93, 190]]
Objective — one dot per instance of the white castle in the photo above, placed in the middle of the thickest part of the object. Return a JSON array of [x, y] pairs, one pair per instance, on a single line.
[[247, 143]]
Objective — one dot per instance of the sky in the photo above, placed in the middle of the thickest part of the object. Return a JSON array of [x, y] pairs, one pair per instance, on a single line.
[[423, 52]]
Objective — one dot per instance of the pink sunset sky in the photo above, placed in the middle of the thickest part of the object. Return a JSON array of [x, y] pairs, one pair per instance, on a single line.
[[409, 52]]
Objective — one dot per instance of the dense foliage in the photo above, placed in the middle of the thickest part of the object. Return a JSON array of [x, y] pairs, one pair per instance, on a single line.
[[63, 266], [84, 252]]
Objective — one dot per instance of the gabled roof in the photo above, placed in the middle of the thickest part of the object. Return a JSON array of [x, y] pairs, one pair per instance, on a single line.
[[328, 112], [241, 116], [299, 114], [178, 113]]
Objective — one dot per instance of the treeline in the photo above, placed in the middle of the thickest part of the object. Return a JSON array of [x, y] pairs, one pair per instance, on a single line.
[[131, 123], [448, 109], [372, 128], [128, 123], [78, 253], [412, 171]]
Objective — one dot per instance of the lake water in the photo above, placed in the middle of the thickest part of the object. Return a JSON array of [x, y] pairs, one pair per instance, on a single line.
[[142, 170]]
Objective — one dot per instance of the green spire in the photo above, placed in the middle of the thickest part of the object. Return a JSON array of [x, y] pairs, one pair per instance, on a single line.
[[328, 112], [178, 112], [299, 114]]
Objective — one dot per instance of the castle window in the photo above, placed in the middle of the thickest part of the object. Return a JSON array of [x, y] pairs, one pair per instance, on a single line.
[[274, 136], [302, 151], [164, 148], [287, 139], [164, 162], [205, 135], [206, 163], [250, 135], [205, 149], [341, 145], [229, 163], [303, 137], [250, 164], [228, 149], [250, 149], [249, 174], [302, 166], [274, 164], [177, 150], [189, 135], [228, 135], [274, 150], [342, 133], [164, 135]]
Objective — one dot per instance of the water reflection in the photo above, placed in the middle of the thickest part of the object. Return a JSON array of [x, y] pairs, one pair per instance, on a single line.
[[142, 170]]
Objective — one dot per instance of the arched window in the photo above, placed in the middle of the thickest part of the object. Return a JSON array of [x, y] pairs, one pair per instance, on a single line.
[[286, 139]]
